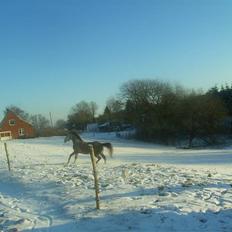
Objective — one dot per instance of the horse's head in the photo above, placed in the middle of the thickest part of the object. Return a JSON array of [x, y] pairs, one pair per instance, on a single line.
[[72, 135], [76, 135], [68, 137]]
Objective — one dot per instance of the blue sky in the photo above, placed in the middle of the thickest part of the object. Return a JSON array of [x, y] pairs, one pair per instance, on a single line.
[[54, 53]]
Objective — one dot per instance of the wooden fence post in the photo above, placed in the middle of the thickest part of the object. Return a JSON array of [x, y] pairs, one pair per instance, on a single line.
[[7, 156], [95, 176]]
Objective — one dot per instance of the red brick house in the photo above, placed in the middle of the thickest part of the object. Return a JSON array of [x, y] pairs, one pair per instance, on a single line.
[[12, 126]]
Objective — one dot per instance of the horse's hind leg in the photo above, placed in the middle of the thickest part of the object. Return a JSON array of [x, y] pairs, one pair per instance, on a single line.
[[98, 158], [76, 155], [104, 157], [70, 156]]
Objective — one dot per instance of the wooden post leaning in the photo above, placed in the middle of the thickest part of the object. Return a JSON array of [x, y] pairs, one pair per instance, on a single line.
[[96, 185], [7, 157]]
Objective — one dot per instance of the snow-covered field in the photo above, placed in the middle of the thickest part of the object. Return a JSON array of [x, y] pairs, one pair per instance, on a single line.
[[144, 187]]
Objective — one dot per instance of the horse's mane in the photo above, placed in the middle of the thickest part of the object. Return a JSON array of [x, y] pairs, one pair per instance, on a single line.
[[75, 133]]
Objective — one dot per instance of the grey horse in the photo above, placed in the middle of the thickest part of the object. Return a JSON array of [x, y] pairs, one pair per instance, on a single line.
[[80, 146]]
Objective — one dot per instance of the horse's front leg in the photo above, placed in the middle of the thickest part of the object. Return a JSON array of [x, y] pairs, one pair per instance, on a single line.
[[70, 156]]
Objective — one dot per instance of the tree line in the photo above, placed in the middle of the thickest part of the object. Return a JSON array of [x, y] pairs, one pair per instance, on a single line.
[[165, 113], [160, 112]]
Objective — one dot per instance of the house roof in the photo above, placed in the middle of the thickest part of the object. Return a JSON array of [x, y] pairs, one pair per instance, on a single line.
[[20, 118]]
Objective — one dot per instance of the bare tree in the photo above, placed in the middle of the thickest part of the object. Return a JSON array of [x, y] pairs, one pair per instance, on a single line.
[[18, 111], [82, 113], [145, 91], [93, 109], [114, 105], [39, 122]]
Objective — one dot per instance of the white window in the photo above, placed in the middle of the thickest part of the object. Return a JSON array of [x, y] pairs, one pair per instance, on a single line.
[[21, 132], [12, 122], [4, 135]]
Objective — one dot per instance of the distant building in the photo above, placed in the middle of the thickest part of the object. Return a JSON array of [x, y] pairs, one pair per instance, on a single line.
[[112, 126], [92, 127], [14, 127]]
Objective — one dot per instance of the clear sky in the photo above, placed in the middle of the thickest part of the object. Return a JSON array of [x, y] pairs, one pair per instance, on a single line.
[[55, 53]]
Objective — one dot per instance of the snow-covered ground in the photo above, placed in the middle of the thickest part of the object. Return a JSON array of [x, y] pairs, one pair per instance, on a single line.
[[144, 187]]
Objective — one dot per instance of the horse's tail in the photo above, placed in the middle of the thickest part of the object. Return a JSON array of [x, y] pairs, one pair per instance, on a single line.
[[109, 147]]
